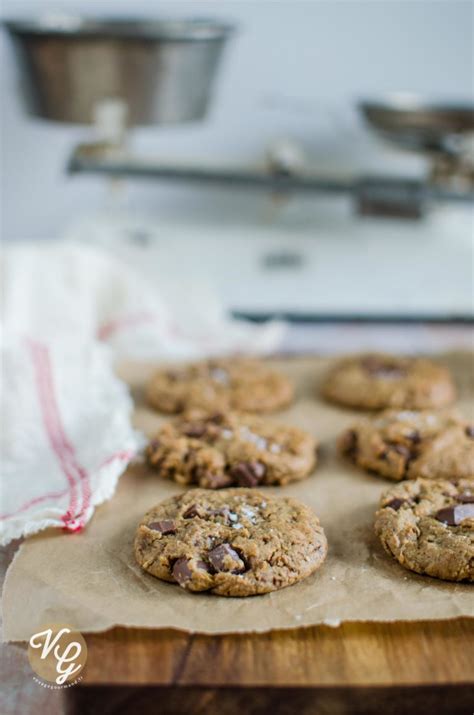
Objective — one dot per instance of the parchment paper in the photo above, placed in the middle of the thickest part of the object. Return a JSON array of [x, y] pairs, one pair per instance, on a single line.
[[90, 580]]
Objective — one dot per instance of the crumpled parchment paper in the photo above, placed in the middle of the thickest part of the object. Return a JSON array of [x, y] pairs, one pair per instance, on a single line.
[[90, 580]]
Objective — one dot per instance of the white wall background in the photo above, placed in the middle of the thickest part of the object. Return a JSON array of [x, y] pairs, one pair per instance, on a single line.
[[295, 68]]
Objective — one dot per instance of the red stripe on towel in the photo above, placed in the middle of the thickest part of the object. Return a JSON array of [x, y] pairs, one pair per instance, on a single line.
[[60, 444], [123, 456], [127, 321]]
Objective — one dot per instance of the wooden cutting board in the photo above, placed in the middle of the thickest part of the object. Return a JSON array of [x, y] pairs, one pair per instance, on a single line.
[[356, 668]]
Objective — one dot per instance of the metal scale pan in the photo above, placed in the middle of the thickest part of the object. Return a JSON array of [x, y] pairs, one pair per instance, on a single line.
[[161, 70], [409, 122]]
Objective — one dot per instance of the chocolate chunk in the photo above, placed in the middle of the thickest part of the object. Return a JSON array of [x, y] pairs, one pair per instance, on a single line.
[[189, 455], [466, 498], [216, 419], [248, 474], [202, 566], [195, 430], [470, 431], [396, 503], [446, 516], [164, 527], [191, 512], [414, 437], [349, 443], [224, 558], [156, 454], [404, 451], [454, 515], [181, 571], [215, 481]]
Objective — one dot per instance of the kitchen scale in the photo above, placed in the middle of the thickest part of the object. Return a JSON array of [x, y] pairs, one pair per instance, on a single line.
[[326, 246]]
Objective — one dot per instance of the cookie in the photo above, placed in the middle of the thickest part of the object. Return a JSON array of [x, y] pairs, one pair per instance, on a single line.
[[235, 542], [218, 385], [428, 526], [407, 444], [231, 449], [375, 381]]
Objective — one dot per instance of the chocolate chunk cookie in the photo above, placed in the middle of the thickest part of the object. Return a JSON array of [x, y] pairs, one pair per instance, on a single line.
[[231, 449], [235, 542], [428, 526], [218, 385], [375, 381], [406, 445]]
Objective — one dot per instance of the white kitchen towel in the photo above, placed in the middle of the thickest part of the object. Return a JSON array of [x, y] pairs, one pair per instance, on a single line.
[[61, 289], [68, 312], [66, 434]]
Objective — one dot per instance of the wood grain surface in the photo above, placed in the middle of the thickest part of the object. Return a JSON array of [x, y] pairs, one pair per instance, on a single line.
[[353, 655], [357, 669]]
